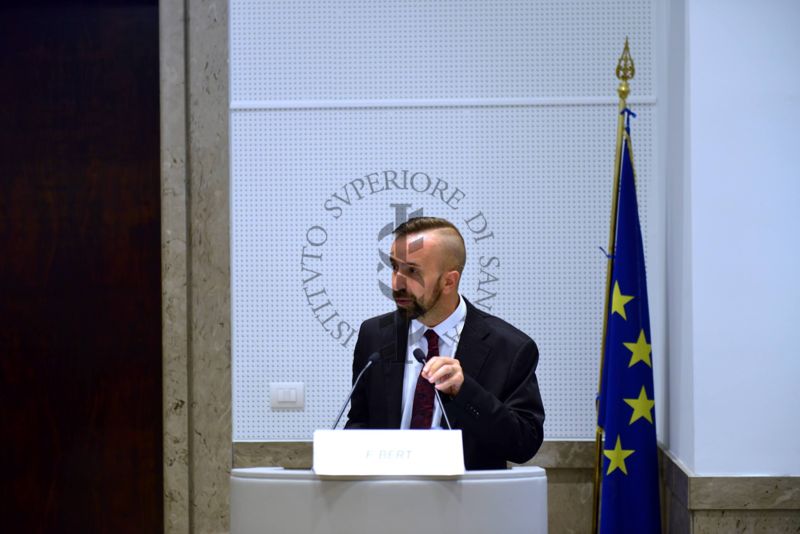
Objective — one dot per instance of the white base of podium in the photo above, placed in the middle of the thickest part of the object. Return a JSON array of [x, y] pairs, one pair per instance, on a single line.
[[274, 500]]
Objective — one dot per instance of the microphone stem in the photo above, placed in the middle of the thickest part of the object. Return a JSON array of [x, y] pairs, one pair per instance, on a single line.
[[441, 406], [341, 412]]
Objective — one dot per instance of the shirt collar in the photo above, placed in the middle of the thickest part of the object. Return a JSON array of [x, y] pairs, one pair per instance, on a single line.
[[450, 323]]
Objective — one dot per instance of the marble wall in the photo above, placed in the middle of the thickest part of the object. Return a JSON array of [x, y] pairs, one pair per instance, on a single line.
[[174, 250], [195, 265], [735, 505]]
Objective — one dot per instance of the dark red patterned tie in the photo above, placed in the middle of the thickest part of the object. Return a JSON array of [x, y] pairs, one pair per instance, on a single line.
[[422, 413]]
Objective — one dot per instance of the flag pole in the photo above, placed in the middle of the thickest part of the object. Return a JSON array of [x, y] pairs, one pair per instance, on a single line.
[[624, 71]]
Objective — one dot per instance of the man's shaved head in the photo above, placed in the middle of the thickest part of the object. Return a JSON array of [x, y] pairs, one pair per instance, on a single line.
[[447, 239]]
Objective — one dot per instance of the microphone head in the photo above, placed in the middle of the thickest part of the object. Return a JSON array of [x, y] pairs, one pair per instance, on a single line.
[[374, 357], [419, 355]]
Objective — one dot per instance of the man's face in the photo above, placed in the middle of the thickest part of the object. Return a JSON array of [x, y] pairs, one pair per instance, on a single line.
[[416, 273]]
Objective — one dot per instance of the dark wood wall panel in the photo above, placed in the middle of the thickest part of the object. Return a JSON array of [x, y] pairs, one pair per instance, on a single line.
[[80, 309]]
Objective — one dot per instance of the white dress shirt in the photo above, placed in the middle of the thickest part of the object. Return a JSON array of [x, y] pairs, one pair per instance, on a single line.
[[449, 332]]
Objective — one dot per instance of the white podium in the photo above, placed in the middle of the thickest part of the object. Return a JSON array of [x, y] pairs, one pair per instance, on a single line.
[[281, 501]]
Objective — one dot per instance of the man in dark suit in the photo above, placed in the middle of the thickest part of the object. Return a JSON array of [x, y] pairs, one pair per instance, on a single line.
[[484, 368]]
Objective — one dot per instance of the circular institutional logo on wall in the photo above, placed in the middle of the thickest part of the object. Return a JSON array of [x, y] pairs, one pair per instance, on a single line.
[[415, 190]]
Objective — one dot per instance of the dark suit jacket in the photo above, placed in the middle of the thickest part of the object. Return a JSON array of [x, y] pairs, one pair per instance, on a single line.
[[498, 409]]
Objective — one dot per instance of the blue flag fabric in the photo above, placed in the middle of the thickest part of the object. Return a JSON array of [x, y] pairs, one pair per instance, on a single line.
[[629, 500]]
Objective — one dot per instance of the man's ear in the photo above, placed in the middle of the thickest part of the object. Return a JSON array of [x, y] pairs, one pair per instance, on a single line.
[[451, 280]]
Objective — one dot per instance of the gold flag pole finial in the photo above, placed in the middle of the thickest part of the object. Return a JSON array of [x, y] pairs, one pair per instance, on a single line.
[[625, 72]]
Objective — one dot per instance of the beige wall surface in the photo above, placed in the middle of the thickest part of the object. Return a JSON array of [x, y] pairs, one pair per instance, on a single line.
[[195, 264]]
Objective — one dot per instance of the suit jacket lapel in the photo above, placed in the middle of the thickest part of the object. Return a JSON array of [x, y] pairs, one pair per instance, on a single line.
[[472, 353], [472, 348], [393, 358]]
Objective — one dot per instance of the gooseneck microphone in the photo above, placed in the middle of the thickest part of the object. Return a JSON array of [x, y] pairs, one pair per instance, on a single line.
[[420, 357], [374, 357]]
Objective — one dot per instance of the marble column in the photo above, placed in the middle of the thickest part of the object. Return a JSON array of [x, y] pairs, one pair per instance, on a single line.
[[195, 265]]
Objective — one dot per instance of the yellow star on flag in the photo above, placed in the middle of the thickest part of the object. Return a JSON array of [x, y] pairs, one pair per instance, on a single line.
[[640, 350], [618, 301], [641, 407], [616, 457]]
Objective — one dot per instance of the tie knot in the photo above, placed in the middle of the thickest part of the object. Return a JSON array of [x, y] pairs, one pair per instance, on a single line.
[[433, 343]]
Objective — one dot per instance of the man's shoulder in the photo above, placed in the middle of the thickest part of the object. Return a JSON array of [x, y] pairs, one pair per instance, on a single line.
[[379, 321], [500, 326]]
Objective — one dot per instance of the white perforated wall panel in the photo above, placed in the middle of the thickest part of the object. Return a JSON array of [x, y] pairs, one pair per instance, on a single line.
[[536, 175], [340, 50]]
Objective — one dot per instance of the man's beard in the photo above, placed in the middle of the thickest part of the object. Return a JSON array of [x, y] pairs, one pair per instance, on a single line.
[[417, 309]]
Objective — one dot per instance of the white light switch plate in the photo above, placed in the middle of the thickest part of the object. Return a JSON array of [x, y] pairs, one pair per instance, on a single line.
[[285, 395]]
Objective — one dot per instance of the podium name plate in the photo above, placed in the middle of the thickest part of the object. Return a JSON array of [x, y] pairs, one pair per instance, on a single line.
[[388, 452]]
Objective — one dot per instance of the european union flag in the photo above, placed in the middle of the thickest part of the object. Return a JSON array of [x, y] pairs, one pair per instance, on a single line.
[[629, 501]]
